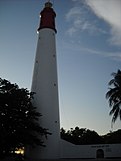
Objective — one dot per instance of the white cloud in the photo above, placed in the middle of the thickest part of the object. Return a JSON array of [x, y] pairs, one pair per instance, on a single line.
[[113, 55], [74, 12], [79, 18], [78, 48], [110, 12]]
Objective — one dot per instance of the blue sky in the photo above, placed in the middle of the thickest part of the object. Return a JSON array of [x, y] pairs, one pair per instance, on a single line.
[[88, 50]]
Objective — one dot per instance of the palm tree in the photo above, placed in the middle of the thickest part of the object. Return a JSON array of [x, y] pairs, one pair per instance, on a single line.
[[114, 96]]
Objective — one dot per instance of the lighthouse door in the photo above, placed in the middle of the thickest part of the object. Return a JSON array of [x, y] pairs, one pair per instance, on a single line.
[[99, 153]]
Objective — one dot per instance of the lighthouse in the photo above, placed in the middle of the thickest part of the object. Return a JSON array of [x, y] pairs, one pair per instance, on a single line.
[[45, 85]]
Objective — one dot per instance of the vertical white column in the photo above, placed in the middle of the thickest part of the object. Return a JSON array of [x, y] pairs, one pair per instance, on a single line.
[[45, 85]]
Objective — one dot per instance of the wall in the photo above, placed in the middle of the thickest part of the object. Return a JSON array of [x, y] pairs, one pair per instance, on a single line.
[[69, 150]]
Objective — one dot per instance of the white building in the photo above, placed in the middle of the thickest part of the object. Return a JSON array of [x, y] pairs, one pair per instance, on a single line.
[[69, 150]]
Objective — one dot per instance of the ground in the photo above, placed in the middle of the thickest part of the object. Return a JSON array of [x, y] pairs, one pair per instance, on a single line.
[[79, 160]]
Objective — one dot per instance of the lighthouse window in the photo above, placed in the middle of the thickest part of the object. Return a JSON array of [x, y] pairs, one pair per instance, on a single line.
[[54, 55], [54, 84]]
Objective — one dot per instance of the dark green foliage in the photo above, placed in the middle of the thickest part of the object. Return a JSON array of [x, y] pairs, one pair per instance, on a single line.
[[83, 136], [114, 96], [19, 125], [113, 137]]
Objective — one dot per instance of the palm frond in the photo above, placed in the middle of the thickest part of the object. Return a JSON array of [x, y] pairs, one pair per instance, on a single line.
[[114, 74], [114, 96], [116, 111], [120, 114], [115, 115], [114, 108], [111, 82]]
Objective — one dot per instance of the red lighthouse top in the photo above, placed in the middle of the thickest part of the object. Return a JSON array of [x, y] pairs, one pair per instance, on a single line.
[[47, 17]]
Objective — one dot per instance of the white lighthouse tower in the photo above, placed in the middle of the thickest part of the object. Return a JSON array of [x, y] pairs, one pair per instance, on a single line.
[[45, 85]]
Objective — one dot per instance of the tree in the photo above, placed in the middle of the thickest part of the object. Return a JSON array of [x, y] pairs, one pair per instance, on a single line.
[[19, 125], [81, 136], [113, 137], [114, 96]]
